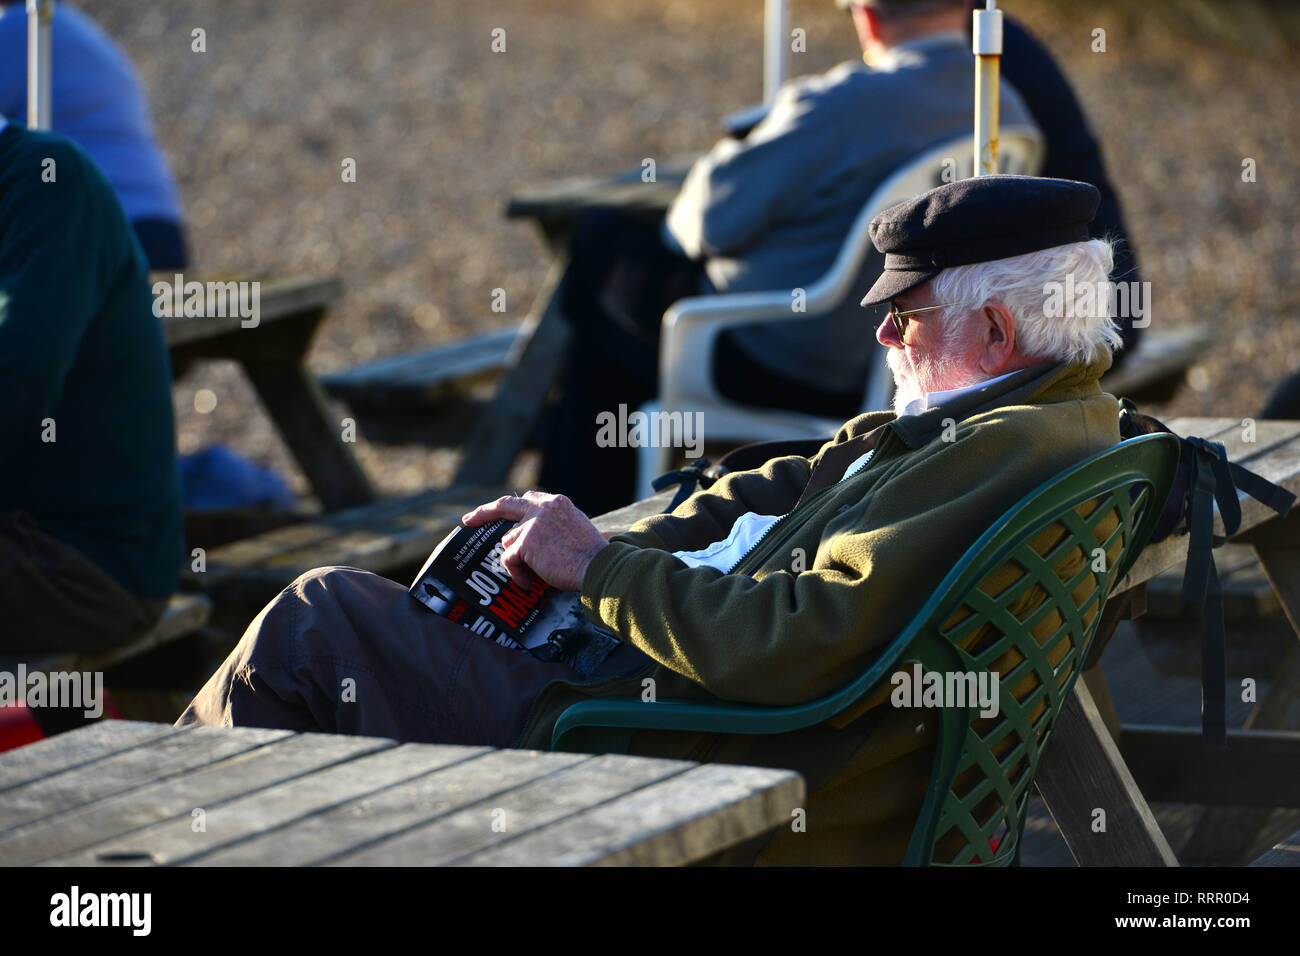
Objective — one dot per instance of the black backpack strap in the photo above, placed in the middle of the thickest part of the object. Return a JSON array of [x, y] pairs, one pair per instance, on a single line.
[[1261, 489], [1215, 479], [700, 472]]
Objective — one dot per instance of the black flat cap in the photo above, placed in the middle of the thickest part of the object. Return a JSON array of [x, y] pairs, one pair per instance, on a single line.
[[976, 220]]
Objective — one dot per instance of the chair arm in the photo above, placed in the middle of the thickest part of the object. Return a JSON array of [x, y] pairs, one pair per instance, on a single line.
[[691, 325], [635, 714]]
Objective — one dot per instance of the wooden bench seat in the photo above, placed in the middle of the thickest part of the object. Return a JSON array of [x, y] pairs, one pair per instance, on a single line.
[[425, 379], [384, 537], [185, 613]]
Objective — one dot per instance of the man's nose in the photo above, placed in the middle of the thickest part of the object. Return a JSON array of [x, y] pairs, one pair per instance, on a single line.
[[887, 335]]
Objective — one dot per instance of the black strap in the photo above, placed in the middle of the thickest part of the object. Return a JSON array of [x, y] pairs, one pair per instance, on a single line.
[[1215, 479], [699, 472], [1200, 522], [1214, 664], [1261, 489]]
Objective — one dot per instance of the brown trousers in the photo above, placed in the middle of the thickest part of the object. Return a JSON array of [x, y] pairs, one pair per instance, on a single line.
[[56, 599], [347, 651]]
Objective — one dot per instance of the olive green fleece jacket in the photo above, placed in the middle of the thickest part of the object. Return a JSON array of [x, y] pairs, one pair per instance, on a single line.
[[808, 609]]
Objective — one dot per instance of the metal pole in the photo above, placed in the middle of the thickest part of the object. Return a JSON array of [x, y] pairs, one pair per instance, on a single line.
[[986, 43], [39, 14], [776, 46]]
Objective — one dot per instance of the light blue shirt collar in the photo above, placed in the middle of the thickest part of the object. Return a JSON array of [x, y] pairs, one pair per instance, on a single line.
[[919, 405]]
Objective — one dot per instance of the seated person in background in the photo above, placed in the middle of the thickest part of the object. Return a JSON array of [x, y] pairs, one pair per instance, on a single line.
[[97, 101], [90, 511], [1072, 150], [767, 212], [707, 611]]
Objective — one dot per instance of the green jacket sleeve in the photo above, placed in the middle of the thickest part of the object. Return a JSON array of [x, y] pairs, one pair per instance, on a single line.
[[707, 516], [779, 638]]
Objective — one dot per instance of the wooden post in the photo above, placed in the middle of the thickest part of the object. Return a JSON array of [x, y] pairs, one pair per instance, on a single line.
[[986, 43], [39, 14]]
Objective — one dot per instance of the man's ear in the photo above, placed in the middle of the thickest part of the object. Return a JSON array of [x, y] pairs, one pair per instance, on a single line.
[[998, 328]]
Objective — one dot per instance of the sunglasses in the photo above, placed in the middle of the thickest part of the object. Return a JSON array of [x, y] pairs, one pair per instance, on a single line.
[[900, 317]]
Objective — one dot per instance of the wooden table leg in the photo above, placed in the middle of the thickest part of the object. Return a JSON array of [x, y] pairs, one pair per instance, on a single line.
[[1083, 773], [314, 436], [274, 358], [520, 397], [1100, 690]]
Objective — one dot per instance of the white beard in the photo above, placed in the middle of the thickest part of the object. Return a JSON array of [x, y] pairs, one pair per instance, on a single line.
[[906, 388], [940, 372]]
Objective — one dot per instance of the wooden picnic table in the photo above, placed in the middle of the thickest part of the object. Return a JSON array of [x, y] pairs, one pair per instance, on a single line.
[[124, 792], [273, 354], [559, 206], [537, 356]]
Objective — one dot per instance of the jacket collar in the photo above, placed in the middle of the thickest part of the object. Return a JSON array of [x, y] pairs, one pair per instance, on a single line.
[[1042, 383]]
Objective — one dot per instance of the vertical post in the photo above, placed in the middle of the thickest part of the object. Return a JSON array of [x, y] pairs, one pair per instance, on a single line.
[[776, 46], [986, 43], [39, 14]]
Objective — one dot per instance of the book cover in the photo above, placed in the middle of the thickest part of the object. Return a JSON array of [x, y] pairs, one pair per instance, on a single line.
[[465, 581]]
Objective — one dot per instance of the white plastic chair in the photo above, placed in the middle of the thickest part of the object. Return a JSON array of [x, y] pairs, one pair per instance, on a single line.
[[691, 326]]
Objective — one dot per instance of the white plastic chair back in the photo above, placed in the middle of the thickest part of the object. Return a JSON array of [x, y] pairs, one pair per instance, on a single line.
[[692, 325]]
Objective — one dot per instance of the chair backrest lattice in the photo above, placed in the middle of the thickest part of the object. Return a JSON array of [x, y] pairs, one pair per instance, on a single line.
[[1025, 612]]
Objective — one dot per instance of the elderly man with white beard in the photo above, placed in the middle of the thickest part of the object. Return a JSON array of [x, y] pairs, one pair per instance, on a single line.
[[713, 601]]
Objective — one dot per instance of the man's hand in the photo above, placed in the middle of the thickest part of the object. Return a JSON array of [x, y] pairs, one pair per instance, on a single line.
[[551, 538]]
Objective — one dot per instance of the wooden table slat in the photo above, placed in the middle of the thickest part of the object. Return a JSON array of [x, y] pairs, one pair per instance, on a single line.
[[360, 825], [521, 810], [272, 797], [380, 764], [277, 299], [204, 788], [677, 821], [623, 518], [92, 743], [1280, 463], [272, 545], [392, 541], [125, 771]]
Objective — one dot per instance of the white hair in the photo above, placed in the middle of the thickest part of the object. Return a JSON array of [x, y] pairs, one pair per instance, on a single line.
[[1032, 286]]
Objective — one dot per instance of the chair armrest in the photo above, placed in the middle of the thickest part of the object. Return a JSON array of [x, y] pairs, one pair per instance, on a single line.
[[691, 716], [691, 325]]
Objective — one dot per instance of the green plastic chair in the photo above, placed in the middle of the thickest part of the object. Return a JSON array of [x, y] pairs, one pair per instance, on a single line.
[[974, 807]]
